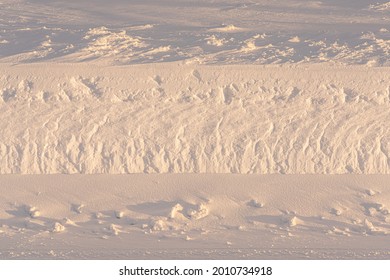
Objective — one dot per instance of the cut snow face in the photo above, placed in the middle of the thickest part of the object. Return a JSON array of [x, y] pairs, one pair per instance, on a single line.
[[184, 118], [217, 32]]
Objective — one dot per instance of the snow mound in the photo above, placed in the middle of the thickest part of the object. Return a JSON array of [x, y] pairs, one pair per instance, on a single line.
[[201, 212], [57, 228]]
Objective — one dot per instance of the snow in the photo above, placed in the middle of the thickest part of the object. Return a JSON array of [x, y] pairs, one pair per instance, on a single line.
[[206, 32], [195, 216], [174, 118], [189, 129]]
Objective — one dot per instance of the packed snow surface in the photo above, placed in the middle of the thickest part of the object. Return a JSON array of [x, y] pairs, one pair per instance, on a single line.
[[194, 216]]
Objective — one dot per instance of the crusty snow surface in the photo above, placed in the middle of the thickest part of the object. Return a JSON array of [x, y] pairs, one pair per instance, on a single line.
[[194, 129]]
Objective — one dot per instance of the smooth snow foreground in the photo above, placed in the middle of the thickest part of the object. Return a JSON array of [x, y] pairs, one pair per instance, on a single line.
[[194, 216], [174, 118]]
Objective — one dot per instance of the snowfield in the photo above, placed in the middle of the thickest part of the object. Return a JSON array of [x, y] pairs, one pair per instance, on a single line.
[[194, 129]]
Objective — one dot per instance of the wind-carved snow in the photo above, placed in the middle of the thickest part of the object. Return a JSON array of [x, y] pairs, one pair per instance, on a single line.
[[106, 43], [381, 7], [221, 32], [174, 119]]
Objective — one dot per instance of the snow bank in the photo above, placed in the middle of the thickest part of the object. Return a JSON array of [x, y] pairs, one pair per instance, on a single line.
[[88, 118]]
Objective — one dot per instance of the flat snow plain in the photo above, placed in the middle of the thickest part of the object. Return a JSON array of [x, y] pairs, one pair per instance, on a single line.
[[194, 129]]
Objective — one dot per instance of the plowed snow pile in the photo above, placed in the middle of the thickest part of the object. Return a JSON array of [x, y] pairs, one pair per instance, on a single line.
[[265, 125]]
